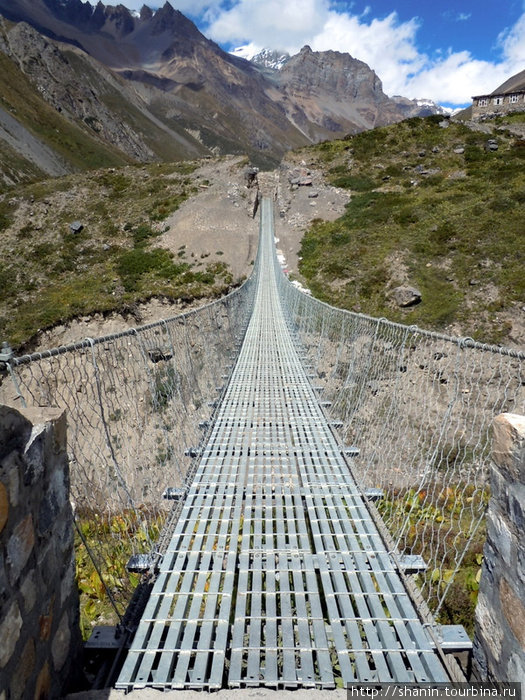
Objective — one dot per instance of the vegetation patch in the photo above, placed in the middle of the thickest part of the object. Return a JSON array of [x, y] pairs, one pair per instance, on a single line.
[[110, 540], [432, 207], [52, 274], [447, 528]]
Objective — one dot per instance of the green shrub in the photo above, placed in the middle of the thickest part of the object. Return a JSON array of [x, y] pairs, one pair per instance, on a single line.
[[132, 265]]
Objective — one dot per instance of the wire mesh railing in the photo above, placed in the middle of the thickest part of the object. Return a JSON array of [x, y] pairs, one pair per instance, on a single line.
[[415, 409], [134, 403]]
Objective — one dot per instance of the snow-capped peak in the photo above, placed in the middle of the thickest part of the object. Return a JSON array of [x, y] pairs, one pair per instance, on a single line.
[[266, 58]]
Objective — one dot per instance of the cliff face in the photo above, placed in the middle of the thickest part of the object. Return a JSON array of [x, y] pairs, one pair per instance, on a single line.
[[55, 73], [336, 91], [127, 78]]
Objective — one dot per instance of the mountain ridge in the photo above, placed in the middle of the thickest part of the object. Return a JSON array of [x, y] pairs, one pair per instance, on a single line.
[[161, 75]]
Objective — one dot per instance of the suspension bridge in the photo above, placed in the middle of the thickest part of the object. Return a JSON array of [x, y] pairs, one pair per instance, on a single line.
[[274, 567], [275, 572]]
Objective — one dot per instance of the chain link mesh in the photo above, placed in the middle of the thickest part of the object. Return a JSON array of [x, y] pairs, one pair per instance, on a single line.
[[416, 407], [134, 402]]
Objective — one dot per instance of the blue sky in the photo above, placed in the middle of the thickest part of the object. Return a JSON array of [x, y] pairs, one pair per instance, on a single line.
[[445, 50]]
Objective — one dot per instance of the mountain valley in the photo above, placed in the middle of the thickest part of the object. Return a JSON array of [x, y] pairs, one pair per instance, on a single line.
[[151, 86], [142, 130]]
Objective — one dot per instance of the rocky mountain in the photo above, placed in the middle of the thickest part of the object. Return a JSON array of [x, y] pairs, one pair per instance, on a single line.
[[267, 58], [515, 83], [150, 85], [419, 108], [333, 92]]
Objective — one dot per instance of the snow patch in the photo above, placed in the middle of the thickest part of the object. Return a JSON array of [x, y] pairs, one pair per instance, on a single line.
[[266, 58]]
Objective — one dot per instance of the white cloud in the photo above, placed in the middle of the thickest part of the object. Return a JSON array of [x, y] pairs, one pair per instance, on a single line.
[[512, 43], [387, 45], [457, 16], [279, 24], [458, 76]]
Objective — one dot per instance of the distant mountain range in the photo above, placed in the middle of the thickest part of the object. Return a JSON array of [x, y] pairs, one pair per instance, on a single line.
[[122, 86]]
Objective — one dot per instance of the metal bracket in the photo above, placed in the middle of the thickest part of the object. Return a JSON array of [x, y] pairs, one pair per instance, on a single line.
[[6, 355], [374, 494], [174, 494], [412, 563], [453, 638], [140, 563], [104, 638]]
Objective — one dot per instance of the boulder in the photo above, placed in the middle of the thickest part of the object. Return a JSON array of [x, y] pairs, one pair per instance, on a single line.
[[250, 177], [405, 296], [76, 227]]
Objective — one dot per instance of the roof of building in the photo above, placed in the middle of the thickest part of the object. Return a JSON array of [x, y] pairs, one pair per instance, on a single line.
[[512, 86]]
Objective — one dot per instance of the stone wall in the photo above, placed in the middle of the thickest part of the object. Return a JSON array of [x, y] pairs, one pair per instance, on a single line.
[[491, 110], [39, 633], [499, 644]]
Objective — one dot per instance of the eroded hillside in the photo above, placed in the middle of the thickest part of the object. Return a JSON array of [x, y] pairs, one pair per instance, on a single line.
[[80, 249], [437, 207]]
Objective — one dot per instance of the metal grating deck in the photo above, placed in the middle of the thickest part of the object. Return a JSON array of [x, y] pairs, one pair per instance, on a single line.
[[275, 574]]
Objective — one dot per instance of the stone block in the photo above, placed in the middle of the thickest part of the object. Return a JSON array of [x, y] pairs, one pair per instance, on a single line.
[[4, 586], [20, 546], [500, 536], [498, 486], [43, 683], [61, 643], [34, 455], [47, 513], [59, 489], [516, 668], [9, 633], [4, 506], [68, 581], [499, 643], [513, 610], [39, 638], [516, 508], [521, 564], [509, 445], [489, 626], [23, 671], [48, 561], [28, 589], [64, 534], [10, 469], [45, 624], [15, 430]]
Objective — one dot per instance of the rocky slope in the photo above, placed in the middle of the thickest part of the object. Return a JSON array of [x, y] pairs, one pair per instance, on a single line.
[[334, 92], [516, 82], [152, 86]]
